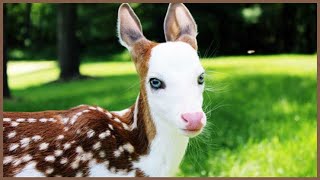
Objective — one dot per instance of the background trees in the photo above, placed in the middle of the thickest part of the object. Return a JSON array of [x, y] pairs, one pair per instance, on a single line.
[[70, 32], [67, 42], [231, 29]]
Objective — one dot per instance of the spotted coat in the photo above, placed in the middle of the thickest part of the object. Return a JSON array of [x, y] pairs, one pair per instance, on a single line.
[[65, 143]]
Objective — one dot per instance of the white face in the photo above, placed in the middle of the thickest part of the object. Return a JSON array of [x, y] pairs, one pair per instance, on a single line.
[[174, 86]]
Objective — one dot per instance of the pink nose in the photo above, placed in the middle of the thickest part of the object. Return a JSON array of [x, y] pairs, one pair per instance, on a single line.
[[193, 120]]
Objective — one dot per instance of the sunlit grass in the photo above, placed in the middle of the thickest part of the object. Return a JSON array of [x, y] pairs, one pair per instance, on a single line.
[[261, 109]]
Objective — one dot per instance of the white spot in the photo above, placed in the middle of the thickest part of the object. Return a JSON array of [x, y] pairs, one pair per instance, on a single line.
[[60, 137], [122, 112], [16, 162], [106, 163], [6, 119], [14, 124], [104, 134], [100, 109], [97, 145], [92, 108], [109, 115], [128, 147], [43, 146], [7, 159], [100, 170], [102, 154], [79, 114], [12, 134], [49, 171], [65, 120], [65, 128], [125, 126], [117, 153], [25, 142], [26, 158], [36, 138], [86, 156], [110, 126], [13, 146], [79, 149], [66, 146], [113, 169], [52, 120], [50, 158], [117, 120], [85, 111], [73, 119], [121, 149], [78, 131], [58, 152], [79, 174], [43, 120], [90, 133], [31, 120], [64, 160], [20, 120], [75, 164]]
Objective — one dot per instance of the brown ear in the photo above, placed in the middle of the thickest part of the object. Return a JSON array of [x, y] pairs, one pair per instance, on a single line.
[[129, 26], [179, 25]]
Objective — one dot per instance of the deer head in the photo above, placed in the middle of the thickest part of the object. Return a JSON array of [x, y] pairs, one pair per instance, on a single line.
[[172, 78]]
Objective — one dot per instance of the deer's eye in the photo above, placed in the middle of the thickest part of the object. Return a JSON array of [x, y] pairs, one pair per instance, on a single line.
[[201, 79], [156, 83]]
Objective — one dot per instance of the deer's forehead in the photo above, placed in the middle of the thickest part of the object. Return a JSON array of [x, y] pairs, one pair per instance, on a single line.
[[172, 57]]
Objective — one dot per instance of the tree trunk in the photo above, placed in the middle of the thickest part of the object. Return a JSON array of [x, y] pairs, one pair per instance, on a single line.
[[6, 90], [68, 53], [27, 22]]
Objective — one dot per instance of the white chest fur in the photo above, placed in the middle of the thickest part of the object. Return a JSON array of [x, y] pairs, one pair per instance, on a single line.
[[166, 152]]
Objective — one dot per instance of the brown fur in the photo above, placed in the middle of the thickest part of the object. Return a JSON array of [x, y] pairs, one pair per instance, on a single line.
[[49, 131], [98, 121]]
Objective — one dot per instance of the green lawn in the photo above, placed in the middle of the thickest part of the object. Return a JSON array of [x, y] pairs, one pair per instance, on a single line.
[[261, 110]]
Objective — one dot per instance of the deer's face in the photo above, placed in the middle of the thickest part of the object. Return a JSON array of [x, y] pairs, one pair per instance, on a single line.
[[174, 85], [171, 73]]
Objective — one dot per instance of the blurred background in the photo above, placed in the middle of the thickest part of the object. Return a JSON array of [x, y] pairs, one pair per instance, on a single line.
[[260, 61]]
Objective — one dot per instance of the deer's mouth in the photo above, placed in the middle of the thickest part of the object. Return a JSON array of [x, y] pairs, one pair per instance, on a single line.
[[191, 132]]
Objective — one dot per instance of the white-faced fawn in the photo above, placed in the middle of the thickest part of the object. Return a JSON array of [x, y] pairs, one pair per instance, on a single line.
[[147, 139]]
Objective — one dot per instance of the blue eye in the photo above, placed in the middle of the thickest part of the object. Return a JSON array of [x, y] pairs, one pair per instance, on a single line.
[[201, 79], [156, 83]]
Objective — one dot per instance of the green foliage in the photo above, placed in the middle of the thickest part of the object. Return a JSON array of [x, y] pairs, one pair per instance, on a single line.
[[223, 28], [261, 110]]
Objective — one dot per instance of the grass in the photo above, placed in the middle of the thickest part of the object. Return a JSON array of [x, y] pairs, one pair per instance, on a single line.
[[261, 110]]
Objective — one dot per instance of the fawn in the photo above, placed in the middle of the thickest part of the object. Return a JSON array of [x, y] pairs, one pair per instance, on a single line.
[[147, 139]]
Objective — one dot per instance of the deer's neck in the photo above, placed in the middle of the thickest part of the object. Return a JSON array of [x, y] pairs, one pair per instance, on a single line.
[[164, 149]]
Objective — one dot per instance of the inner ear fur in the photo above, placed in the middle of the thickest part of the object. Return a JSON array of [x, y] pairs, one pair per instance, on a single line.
[[179, 25], [129, 26]]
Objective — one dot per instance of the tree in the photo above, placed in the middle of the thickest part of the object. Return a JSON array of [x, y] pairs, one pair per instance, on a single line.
[[68, 45], [6, 90]]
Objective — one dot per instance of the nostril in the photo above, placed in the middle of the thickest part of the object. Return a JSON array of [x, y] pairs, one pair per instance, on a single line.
[[185, 117]]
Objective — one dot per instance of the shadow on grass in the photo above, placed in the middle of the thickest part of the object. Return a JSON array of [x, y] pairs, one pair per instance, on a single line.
[[260, 107]]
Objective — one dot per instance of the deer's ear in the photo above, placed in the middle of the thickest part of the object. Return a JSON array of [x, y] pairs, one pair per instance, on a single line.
[[129, 26], [179, 25]]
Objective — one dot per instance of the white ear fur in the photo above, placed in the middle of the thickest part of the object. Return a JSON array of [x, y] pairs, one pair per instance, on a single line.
[[179, 22], [128, 26]]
